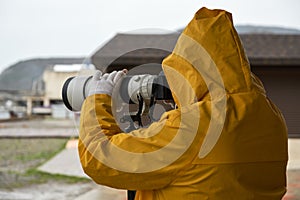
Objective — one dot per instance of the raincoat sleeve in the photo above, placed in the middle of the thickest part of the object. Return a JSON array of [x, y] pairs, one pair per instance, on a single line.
[[120, 160]]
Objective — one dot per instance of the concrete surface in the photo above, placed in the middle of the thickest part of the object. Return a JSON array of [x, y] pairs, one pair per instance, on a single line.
[[66, 163], [39, 128], [104, 193], [294, 154]]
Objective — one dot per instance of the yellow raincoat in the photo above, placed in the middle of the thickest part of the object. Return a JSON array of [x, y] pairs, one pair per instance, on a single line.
[[226, 140]]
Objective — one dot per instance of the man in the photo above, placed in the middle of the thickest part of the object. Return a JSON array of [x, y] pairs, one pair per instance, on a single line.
[[226, 139]]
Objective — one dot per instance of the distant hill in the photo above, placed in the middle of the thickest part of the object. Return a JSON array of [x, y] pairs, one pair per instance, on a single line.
[[20, 76]]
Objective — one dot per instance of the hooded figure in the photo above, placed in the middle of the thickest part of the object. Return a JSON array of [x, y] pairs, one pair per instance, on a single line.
[[226, 139]]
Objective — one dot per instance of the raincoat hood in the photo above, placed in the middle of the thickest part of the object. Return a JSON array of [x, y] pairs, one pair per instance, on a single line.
[[208, 47]]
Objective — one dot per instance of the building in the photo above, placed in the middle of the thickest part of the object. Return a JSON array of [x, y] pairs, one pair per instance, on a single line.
[[274, 57], [32, 86], [54, 78]]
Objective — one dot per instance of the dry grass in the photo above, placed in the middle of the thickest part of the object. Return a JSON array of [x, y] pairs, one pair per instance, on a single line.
[[20, 157]]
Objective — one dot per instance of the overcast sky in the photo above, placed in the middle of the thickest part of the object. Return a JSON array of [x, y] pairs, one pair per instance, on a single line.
[[60, 28]]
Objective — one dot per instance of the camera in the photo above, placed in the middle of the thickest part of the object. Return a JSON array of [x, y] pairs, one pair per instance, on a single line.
[[133, 89]]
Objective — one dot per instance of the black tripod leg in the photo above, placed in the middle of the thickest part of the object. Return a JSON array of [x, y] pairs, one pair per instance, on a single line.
[[130, 194]]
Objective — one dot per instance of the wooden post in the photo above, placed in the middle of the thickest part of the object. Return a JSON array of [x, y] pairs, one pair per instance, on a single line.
[[29, 106]]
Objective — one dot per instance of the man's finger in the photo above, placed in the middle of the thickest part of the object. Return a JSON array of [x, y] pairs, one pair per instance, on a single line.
[[104, 77], [118, 76], [97, 75], [111, 76]]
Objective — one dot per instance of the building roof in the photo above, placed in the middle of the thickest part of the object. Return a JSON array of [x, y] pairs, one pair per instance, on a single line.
[[134, 49], [272, 49], [263, 49]]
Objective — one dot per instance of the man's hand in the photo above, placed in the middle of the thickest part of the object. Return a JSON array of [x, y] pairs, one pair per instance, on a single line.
[[106, 83]]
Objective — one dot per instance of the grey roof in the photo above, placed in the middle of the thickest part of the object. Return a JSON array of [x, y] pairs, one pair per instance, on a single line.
[[22, 75], [272, 49], [134, 49], [129, 50]]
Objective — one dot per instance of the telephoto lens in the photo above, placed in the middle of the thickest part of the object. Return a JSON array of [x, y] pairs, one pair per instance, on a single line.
[[74, 91], [147, 86]]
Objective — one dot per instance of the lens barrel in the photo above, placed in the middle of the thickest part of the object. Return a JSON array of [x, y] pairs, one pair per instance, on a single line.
[[65, 92], [75, 89]]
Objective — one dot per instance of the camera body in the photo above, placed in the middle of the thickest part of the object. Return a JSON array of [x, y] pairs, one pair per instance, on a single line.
[[146, 86]]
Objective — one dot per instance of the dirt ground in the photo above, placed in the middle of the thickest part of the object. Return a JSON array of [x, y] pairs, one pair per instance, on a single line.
[[19, 178]]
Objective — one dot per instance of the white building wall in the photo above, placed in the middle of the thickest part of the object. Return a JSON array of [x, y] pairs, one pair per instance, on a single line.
[[54, 82]]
